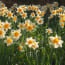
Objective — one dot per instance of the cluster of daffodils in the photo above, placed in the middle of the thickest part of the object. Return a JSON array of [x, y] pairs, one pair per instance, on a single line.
[[34, 12], [27, 25], [16, 22], [57, 11], [5, 27], [62, 19], [60, 13], [31, 43]]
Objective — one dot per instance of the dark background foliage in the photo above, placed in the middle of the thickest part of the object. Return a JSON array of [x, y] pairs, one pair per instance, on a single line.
[[9, 3]]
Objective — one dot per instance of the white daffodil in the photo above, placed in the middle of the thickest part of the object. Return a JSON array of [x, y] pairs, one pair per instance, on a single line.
[[32, 14], [20, 48], [29, 7], [7, 25], [55, 41], [29, 41], [24, 15], [2, 13], [53, 12], [32, 43], [40, 21], [35, 45], [2, 10], [1, 24], [23, 7], [9, 14], [16, 34], [27, 22], [21, 26], [49, 31], [37, 17], [29, 27], [8, 41], [38, 12], [15, 5], [62, 15], [56, 4], [2, 5], [14, 18], [62, 24], [19, 10], [2, 33]]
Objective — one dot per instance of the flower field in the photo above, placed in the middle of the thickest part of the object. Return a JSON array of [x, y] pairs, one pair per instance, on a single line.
[[32, 34]]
